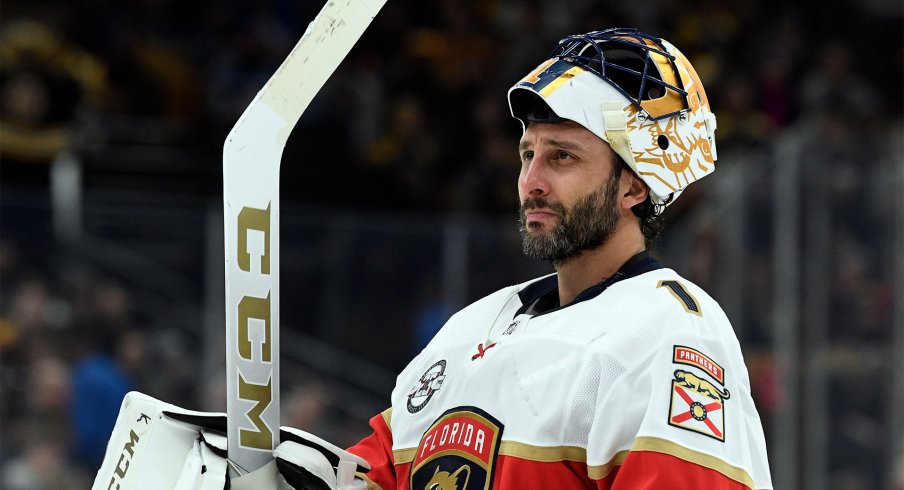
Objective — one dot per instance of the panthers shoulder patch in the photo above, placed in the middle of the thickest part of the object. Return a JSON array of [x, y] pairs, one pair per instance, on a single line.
[[697, 404]]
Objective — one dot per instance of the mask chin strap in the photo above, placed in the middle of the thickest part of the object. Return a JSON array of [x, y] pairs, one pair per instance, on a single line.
[[616, 128]]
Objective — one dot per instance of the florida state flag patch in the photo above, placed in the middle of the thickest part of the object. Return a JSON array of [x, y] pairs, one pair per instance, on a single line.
[[697, 405], [458, 451]]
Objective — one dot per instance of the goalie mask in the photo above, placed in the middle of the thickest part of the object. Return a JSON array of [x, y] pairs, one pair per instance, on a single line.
[[636, 92]]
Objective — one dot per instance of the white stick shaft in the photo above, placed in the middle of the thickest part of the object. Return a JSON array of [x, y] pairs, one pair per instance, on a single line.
[[251, 158]]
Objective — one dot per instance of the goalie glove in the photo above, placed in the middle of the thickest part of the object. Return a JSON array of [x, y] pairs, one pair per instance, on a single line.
[[156, 445], [206, 465], [307, 462]]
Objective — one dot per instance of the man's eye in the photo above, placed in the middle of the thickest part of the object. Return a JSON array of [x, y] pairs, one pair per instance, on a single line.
[[563, 155], [527, 156]]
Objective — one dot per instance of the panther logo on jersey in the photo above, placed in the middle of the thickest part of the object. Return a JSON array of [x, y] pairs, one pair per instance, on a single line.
[[428, 384], [697, 405], [457, 452], [443, 480]]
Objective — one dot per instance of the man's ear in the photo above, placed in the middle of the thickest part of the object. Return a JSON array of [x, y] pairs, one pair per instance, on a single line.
[[633, 190]]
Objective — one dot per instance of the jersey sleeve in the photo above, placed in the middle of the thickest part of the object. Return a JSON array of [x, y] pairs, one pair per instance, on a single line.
[[376, 449], [680, 417]]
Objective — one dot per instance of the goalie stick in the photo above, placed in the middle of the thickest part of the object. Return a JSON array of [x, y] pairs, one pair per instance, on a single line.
[[251, 158]]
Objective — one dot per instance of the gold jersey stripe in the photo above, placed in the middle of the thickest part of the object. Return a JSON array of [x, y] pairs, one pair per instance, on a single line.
[[561, 79], [387, 417], [544, 454], [598, 472], [549, 454], [400, 456], [658, 445]]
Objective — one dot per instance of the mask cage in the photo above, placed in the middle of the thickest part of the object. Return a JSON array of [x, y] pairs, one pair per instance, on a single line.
[[625, 64]]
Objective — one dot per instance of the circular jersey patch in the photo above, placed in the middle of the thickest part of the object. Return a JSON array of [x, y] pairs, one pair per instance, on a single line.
[[428, 384]]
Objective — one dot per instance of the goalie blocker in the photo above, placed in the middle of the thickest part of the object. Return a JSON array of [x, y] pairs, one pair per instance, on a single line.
[[157, 445]]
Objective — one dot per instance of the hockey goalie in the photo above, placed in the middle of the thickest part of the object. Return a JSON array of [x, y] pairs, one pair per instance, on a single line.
[[613, 373]]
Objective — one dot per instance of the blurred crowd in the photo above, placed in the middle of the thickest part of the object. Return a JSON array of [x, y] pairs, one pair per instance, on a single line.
[[427, 78]]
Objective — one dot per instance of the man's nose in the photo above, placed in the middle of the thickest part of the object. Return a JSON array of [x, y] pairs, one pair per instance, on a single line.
[[533, 180]]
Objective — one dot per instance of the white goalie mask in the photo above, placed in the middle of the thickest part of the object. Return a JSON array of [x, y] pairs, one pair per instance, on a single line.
[[636, 92]]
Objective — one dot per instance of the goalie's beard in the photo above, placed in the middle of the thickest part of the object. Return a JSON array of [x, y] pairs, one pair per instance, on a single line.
[[587, 226]]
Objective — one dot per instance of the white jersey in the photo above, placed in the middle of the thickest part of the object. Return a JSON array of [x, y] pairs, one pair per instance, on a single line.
[[645, 376]]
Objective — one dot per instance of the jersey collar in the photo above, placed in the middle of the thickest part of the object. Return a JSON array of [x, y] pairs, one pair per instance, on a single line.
[[542, 297]]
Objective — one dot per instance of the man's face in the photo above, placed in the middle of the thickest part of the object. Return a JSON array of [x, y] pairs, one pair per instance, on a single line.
[[568, 191]]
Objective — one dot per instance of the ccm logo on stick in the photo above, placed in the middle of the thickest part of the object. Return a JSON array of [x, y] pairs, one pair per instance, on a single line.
[[257, 308]]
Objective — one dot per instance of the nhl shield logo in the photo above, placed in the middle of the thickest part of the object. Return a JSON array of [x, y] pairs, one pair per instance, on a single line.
[[697, 405], [457, 452]]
